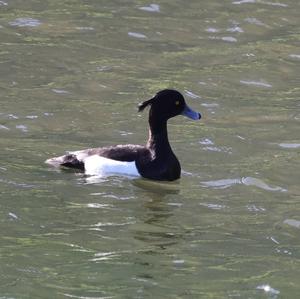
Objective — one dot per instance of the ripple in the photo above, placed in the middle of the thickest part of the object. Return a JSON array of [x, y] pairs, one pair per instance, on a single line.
[[12, 116], [230, 39], [206, 141], [244, 1], [23, 128], [104, 256], [235, 29], [85, 28], [222, 149], [275, 4], [273, 240], [256, 22], [93, 205], [60, 91], [137, 35], [151, 8], [26, 117], [48, 113], [13, 183], [210, 105], [240, 137], [25, 22], [212, 30], [191, 94], [125, 133], [254, 208], [104, 68], [267, 289], [210, 146], [292, 222], [99, 206], [85, 297], [94, 180], [213, 206], [104, 224], [249, 55], [250, 181], [2, 3], [221, 184], [178, 262], [118, 197], [247, 181], [2, 127], [77, 248], [175, 204], [145, 280], [256, 83], [297, 56], [289, 145], [284, 251], [260, 2], [32, 116], [13, 216]]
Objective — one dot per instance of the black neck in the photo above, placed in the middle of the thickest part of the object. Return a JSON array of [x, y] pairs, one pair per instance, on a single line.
[[158, 136]]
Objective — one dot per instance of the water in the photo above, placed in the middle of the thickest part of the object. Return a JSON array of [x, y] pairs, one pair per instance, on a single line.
[[72, 73]]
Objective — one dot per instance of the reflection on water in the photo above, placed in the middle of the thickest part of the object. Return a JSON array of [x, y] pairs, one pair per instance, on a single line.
[[262, 84], [25, 22], [269, 290], [151, 8], [72, 74], [290, 145], [248, 181]]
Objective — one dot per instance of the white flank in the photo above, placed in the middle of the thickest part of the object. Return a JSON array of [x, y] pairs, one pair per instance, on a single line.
[[97, 165]]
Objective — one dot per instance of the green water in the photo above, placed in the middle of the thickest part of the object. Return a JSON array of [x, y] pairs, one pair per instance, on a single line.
[[71, 75]]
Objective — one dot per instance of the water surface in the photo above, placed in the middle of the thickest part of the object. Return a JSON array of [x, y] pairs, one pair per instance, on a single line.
[[72, 73]]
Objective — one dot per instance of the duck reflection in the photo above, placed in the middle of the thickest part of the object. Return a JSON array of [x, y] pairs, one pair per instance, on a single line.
[[156, 226]]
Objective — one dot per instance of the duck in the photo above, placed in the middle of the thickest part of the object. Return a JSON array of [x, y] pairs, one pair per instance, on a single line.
[[155, 160]]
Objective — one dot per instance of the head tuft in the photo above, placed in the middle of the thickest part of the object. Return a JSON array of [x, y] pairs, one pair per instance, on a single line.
[[143, 105]]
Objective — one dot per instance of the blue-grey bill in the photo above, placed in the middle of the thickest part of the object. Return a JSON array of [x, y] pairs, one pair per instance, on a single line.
[[190, 113]]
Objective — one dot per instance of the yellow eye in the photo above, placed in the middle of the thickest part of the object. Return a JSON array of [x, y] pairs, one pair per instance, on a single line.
[[177, 103]]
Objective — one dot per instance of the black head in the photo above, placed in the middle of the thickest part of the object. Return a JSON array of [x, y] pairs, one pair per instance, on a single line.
[[168, 103]]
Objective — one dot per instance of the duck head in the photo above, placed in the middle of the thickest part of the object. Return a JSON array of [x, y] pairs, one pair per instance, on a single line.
[[166, 104]]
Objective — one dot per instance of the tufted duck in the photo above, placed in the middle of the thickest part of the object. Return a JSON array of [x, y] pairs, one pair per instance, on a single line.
[[155, 160]]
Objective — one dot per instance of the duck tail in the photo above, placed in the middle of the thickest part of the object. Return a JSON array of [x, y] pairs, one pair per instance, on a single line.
[[69, 160]]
